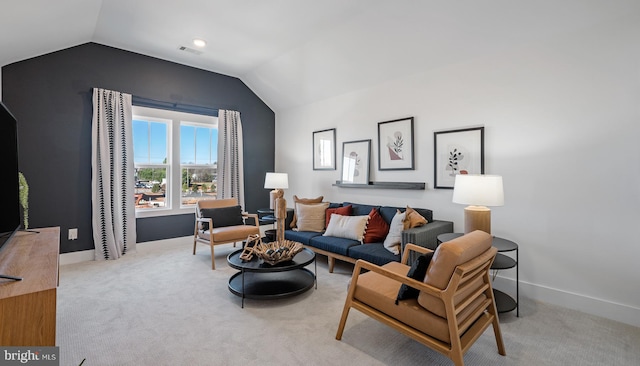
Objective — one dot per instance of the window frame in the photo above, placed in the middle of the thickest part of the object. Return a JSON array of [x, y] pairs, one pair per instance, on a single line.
[[173, 195]]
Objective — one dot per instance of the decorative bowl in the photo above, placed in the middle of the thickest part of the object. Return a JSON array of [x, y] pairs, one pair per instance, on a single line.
[[277, 252]]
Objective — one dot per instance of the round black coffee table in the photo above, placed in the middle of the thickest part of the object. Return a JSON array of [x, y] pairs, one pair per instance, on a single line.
[[259, 280]]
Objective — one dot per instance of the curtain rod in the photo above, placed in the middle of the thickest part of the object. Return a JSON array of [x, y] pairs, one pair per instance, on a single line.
[[180, 107]]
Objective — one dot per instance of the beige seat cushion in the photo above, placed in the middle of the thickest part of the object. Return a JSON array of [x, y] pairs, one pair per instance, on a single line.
[[445, 259], [229, 233], [380, 292]]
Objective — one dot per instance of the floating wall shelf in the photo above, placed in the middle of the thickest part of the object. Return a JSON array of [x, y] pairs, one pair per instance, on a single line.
[[383, 185]]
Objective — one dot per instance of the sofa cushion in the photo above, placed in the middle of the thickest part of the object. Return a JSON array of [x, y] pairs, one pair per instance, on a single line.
[[377, 228], [447, 256], [358, 209], [297, 199], [222, 216], [417, 271], [414, 219], [332, 244], [349, 227], [388, 212], [342, 210], [311, 217], [375, 253], [394, 237], [300, 236]]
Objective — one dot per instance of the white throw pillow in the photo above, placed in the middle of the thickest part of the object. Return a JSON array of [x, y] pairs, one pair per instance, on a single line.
[[394, 238], [348, 227], [311, 217]]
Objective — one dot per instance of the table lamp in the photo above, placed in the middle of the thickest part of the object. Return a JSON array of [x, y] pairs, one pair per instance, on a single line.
[[478, 191], [277, 182]]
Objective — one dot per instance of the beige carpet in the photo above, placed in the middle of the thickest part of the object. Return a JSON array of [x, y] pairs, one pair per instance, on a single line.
[[164, 306]]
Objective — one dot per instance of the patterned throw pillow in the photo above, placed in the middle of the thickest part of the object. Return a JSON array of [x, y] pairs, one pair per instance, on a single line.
[[377, 228]]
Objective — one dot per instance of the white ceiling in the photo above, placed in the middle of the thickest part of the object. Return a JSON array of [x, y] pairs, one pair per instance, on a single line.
[[294, 52]]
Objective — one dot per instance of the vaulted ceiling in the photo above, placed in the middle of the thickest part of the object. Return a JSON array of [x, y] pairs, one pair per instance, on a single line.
[[294, 52]]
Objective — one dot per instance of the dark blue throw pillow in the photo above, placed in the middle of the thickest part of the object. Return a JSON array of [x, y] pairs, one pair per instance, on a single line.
[[222, 216], [417, 271]]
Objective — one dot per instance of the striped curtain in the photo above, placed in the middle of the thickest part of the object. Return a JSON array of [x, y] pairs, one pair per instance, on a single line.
[[230, 167], [112, 180]]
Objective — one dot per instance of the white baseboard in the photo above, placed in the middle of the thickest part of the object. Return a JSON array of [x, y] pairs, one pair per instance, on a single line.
[[587, 304], [89, 255]]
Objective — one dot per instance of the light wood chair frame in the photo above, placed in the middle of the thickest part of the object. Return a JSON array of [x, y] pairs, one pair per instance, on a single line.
[[462, 335], [200, 220]]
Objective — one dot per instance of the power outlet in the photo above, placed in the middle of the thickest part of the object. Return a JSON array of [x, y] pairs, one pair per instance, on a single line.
[[73, 234]]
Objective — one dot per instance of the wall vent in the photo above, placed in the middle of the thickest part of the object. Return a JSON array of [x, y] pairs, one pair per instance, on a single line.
[[190, 50]]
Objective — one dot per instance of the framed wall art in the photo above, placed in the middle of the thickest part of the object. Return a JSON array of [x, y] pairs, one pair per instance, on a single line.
[[355, 162], [457, 152], [324, 149], [395, 145]]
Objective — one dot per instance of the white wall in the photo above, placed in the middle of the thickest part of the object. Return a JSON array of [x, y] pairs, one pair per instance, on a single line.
[[562, 126]]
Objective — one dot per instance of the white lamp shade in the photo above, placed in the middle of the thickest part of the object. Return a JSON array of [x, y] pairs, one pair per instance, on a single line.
[[276, 181], [478, 190]]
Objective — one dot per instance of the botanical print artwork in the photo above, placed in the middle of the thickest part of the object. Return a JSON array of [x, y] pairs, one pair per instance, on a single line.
[[395, 146], [458, 161], [459, 151]]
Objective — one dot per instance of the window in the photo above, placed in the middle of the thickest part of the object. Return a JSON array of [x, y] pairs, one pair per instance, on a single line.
[[198, 162], [175, 160]]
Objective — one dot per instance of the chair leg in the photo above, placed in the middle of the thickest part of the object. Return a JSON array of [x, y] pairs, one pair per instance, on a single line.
[[213, 259], [194, 245], [343, 318], [498, 333], [332, 262]]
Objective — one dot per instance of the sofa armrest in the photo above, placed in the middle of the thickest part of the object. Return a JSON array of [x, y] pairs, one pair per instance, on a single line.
[[426, 235]]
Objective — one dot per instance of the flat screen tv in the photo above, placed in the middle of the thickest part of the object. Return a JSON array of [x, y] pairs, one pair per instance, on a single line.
[[9, 186]]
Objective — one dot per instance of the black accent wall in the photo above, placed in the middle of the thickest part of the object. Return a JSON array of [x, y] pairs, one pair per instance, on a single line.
[[50, 95]]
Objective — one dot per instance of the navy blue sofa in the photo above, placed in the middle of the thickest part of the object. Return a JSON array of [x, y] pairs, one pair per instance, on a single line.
[[349, 250]]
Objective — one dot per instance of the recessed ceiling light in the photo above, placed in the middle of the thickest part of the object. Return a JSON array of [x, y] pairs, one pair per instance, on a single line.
[[199, 42]]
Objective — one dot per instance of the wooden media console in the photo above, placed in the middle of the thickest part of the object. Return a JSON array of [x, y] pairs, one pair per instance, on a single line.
[[28, 307]]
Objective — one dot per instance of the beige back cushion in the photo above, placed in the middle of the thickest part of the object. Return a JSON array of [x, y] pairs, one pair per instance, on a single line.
[[227, 202], [453, 253], [445, 260]]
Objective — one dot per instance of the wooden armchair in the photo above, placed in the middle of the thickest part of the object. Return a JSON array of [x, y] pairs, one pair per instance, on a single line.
[[455, 303], [220, 222]]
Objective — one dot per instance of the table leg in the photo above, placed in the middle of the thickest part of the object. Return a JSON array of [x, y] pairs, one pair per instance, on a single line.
[[243, 288]]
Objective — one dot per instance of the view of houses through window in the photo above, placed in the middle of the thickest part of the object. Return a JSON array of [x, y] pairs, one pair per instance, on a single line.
[[175, 159]]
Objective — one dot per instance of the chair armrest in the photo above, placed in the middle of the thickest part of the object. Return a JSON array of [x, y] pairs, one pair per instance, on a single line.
[[419, 285], [409, 247], [253, 216], [204, 219]]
